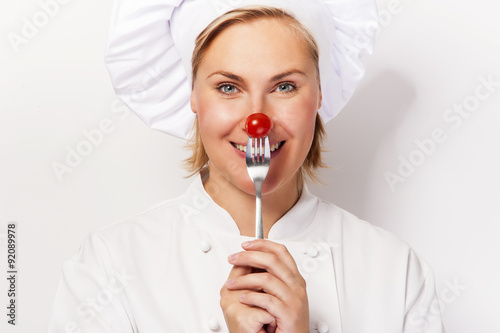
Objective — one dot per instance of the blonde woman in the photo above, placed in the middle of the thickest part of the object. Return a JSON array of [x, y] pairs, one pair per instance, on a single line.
[[191, 264]]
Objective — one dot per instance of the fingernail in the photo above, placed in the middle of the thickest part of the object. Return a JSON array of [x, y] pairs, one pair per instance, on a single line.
[[229, 281], [247, 244], [242, 296], [233, 257]]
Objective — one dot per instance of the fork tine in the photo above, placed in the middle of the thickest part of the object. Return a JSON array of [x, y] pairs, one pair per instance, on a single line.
[[259, 152], [262, 150], [256, 149], [249, 155], [267, 151]]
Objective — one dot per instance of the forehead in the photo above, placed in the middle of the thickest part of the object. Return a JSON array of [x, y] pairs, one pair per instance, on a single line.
[[261, 43]]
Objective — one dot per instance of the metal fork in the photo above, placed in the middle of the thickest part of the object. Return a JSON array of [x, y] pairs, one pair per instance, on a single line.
[[258, 161]]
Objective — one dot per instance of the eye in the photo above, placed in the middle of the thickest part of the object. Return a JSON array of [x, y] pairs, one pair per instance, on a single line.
[[286, 87], [227, 88]]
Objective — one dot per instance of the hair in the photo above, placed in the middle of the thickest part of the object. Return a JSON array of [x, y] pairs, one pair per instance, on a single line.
[[199, 158]]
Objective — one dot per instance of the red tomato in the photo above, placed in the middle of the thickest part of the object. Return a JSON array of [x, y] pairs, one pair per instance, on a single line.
[[258, 125]]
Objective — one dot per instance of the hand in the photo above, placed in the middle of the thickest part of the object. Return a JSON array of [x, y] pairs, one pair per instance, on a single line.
[[241, 318], [280, 290]]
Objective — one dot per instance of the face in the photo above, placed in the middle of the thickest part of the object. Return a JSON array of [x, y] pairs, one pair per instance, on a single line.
[[250, 68]]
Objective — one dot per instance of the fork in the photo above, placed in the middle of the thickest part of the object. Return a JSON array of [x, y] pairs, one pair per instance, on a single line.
[[258, 161]]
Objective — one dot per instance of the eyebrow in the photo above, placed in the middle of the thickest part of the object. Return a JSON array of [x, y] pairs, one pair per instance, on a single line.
[[285, 74], [273, 79]]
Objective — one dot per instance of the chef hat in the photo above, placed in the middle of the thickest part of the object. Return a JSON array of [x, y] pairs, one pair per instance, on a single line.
[[151, 42]]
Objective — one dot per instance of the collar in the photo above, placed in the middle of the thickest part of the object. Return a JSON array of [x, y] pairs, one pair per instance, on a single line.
[[289, 227]]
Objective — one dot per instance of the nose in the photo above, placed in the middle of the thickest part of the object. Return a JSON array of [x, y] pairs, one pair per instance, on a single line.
[[260, 114], [258, 125]]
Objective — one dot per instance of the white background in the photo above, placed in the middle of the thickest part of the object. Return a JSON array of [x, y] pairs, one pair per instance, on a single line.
[[429, 56]]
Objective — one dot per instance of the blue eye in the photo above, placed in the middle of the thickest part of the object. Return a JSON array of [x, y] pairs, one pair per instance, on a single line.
[[227, 89], [285, 87]]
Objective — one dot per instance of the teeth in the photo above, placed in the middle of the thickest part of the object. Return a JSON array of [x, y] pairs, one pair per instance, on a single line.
[[244, 148]]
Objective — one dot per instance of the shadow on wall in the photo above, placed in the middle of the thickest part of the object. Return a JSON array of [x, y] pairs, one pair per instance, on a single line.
[[376, 109]]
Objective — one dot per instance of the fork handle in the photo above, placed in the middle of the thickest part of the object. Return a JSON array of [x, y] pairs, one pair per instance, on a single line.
[[259, 230]]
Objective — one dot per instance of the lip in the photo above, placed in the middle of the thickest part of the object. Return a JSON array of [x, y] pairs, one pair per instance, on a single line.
[[273, 153]]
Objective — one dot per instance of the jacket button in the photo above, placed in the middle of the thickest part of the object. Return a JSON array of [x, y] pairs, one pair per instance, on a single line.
[[213, 324], [312, 252], [322, 327], [205, 246]]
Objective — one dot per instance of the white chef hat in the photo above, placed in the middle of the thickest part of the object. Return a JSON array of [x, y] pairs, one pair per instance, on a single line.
[[151, 43]]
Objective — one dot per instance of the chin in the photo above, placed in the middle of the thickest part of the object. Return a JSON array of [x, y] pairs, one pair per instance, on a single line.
[[243, 182], [276, 182]]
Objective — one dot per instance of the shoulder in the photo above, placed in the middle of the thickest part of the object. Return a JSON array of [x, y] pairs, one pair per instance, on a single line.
[[375, 256], [376, 269], [134, 234], [340, 220], [153, 219], [366, 242]]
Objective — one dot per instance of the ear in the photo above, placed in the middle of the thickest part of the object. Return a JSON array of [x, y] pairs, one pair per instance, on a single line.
[[193, 102], [320, 100]]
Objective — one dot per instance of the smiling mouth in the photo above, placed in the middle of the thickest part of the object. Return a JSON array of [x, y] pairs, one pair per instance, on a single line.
[[243, 148]]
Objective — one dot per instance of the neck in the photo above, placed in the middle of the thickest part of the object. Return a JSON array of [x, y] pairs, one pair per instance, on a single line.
[[241, 205]]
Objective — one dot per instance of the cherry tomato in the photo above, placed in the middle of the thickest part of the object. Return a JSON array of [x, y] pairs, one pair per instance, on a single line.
[[258, 125]]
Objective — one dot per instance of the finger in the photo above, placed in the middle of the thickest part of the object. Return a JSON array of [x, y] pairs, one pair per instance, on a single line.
[[271, 328], [250, 319], [268, 246], [271, 304], [236, 271], [293, 314], [255, 318], [261, 282], [279, 250], [271, 263]]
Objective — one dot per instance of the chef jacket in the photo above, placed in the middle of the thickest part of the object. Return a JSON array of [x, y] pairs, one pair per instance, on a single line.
[[162, 271]]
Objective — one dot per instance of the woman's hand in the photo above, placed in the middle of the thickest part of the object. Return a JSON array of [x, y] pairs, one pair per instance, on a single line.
[[241, 318], [280, 290]]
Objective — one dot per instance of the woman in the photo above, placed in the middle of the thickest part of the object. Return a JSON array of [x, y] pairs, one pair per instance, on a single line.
[[180, 266]]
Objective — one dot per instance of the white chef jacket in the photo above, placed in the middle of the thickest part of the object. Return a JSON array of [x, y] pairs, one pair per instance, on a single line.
[[162, 271]]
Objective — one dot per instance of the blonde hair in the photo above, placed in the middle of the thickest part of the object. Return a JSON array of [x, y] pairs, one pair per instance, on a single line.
[[199, 158]]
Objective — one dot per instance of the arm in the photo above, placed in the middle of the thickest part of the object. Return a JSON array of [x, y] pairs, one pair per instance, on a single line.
[[91, 293], [423, 313]]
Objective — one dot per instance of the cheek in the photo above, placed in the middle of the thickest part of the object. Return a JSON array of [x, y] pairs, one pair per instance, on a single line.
[[215, 117], [299, 118]]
